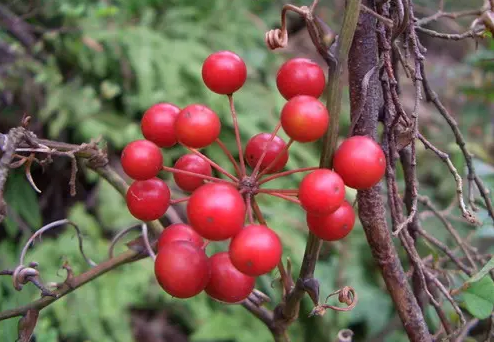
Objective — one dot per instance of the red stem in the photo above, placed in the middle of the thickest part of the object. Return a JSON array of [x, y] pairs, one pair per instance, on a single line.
[[250, 215], [286, 173], [189, 173], [290, 192], [271, 138], [212, 163], [275, 160], [179, 200], [285, 277], [230, 156], [237, 136], [288, 198], [206, 243]]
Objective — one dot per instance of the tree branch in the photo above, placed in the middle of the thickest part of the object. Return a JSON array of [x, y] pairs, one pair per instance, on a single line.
[[363, 57]]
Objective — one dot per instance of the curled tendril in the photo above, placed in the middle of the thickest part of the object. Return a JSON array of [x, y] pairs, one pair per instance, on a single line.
[[346, 295], [48, 227], [117, 238], [21, 276], [145, 237], [276, 38]]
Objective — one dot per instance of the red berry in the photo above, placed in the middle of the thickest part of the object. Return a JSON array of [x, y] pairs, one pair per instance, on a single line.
[[182, 269], [197, 126], [227, 284], [300, 76], [179, 232], [360, 162], [224, 72], [216, 211], [255, 147], [334, 226], [157, 124], [321, 192], [149, 199], [256, 250], [192, 163], [141, 160], [304, 118]]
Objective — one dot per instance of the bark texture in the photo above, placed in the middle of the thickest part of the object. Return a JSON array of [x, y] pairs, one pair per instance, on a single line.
[[363, 57]]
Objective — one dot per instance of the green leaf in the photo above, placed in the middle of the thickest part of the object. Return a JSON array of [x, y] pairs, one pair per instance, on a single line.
[[483, 272], [478, 298]]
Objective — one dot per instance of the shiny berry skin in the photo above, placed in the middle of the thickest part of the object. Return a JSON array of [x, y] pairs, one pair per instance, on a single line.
[[149, 199], [360, 162], [255, 147], [334, 226], [300, 76], [216, 211], [179, 232], [141, 160], [256, 250], [197, 126], [321, 192], [227, 284], [157, 124], [304, 118], [224, 72], [182, 269], [192, 163]]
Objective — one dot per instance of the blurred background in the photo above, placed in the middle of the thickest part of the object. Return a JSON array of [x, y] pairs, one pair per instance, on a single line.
[[87, 68]]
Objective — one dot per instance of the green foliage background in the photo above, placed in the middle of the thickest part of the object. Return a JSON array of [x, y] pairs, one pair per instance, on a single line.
[[111, 62]]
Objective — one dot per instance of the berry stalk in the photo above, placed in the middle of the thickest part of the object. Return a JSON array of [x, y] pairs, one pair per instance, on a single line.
[[286, 173], [286, 278], [275, 160], [237, 136], [179, 200], [287, 198], [189, 173], [212, 163], [259, 162], [248, 202], [290, 192], [230, 157]]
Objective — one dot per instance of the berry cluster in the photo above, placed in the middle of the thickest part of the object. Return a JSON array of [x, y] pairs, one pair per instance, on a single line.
[[218, 208]]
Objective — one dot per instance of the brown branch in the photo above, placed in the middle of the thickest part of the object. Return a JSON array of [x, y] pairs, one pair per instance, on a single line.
[[432, 96], [17, 28], [363, 57], [450, 15], [428, 203], [446, 251], [478, 33], [76, 282]]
